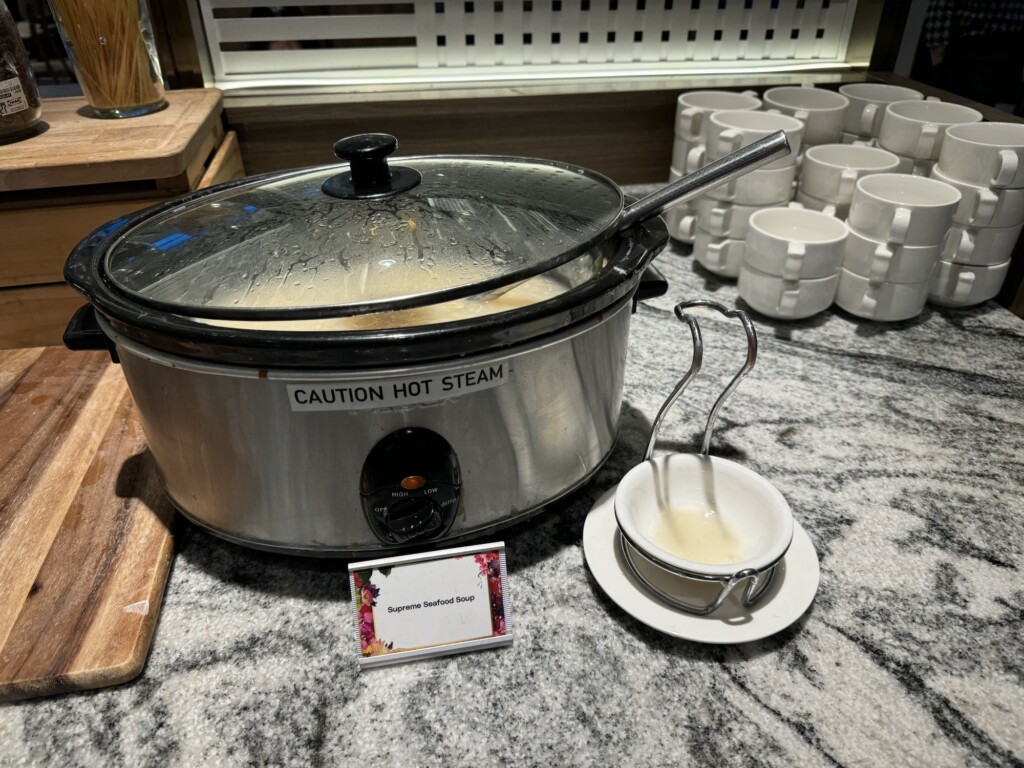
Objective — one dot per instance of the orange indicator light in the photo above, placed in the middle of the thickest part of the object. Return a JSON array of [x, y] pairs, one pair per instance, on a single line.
[[413, 482]]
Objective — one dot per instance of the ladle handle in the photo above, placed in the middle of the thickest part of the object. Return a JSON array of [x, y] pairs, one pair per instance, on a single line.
[[695, 365], [737, 163]]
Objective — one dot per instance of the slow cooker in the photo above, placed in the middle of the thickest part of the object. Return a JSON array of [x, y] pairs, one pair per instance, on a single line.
[[338, 361]]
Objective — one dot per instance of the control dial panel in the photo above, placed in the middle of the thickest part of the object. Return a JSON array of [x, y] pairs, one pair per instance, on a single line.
[[410, 486]]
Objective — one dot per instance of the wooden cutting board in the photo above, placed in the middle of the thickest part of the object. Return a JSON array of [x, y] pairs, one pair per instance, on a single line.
[[80, 150], [85, 540]]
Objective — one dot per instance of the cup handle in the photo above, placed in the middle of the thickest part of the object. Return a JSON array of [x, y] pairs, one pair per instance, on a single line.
[[984, 208], [774, 111], [869, 301], [795, 253], [716, 254], [691, 121], [695, 159], [957, 247], [787, 301], [729, 141], [829, 210], [687, 227], [900, 225], [867, 119], [719, 218], [1008, 161], [932, 98], [880, 263], [964, 283], [926, 141], [755, 94], [847, 184]]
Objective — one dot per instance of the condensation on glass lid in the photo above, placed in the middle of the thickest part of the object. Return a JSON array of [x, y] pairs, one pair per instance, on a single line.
[[278, 243], [532, 291]]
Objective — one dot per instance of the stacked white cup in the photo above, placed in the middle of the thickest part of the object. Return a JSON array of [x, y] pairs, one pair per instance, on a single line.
[[829, 173], [867, 102], [791, 265], [721, 223], [692, 110], [985, 162], [898, 224], [820, 111], [914, 131]]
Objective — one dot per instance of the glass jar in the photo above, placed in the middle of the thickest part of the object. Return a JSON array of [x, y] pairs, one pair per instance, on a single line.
[[111, 47], [20, 108]]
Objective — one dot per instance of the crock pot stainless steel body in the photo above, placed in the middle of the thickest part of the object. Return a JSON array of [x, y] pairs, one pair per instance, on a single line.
[[346, 442], [239, 460]]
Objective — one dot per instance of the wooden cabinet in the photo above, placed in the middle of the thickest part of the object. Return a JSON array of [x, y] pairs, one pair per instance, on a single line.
[[80, 173]]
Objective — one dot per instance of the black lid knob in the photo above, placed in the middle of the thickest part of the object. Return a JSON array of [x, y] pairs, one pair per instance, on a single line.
[[366, 146], [369, 175]]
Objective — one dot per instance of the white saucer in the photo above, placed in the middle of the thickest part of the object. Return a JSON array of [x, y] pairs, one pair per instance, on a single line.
[[796, 583]]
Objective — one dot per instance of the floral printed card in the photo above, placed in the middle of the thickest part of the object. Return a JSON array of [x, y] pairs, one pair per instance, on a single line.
[[430, 604]]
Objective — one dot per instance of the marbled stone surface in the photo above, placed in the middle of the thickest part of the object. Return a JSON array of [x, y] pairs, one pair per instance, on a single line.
[[901, 450]]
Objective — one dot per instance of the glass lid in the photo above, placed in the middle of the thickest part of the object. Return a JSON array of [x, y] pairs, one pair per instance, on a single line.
[[328, 242]]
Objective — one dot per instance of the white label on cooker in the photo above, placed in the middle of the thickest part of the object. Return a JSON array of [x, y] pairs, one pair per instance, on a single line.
[[12, 97], [387, 393]]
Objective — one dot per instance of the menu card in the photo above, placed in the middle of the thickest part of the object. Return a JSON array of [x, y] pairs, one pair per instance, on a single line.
[[431, 604]]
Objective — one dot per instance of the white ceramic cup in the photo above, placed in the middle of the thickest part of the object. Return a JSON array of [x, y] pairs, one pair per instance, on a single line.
[[820, 110], [720, 255], [984, 207], [881, 262], [986, 154], [765, 186], [795, 243], [980, 246], [863, 115], [746, 503], [903, 210], [964, 285], [693, 108], [730, 130], [890, 302], [830, 172], [917, 128], [774, 296]]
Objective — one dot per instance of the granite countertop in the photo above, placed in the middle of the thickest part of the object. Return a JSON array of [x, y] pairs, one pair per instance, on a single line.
[[901, 451]]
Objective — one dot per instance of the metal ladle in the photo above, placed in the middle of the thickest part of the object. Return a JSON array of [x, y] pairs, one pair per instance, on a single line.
[[757, 583], [714, 174]]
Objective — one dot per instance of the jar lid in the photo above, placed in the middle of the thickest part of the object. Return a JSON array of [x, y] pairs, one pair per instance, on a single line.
[[327, 242]]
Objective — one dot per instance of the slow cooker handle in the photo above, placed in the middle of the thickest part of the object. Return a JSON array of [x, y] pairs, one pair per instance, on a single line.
[[652, 284], [84, 333]]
